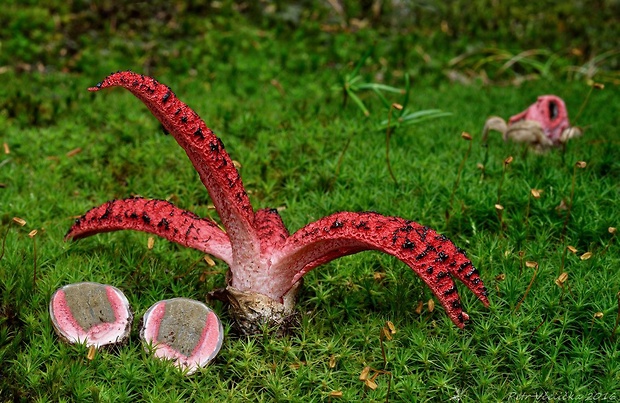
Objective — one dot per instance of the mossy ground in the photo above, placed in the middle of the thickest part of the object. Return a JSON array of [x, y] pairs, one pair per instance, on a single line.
[[272, 103]]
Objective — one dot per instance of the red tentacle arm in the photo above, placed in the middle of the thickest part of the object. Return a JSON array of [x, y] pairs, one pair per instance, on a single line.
[[157, 217], [207, 154], [432, 256], [271, 230]]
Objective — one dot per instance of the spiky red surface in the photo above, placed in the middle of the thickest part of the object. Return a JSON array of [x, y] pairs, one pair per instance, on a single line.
[[207, 154], [157, 217], [432, 256], [263, 257]]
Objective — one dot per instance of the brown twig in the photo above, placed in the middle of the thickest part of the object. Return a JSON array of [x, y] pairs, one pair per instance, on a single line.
[[521, 255], [597, 315], [534, 193], [612, 231], [388, 132], [32, 234], [340, 159], [369, 381], [561, 282], [498, 206], [593, 85], [564, 253], [537, 327], [507, 162], [581, 165], [16, 220], [534, 265]]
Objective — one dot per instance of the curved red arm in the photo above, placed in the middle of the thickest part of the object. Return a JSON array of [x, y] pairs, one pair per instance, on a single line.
[[207, 154], [157, 217], [432, 256]]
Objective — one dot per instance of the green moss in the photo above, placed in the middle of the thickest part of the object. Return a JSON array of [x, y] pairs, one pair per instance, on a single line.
[[289, 141]]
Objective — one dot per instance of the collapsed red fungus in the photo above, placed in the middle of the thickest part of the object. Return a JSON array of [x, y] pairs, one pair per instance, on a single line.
[[266, 262], [543, 125]]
